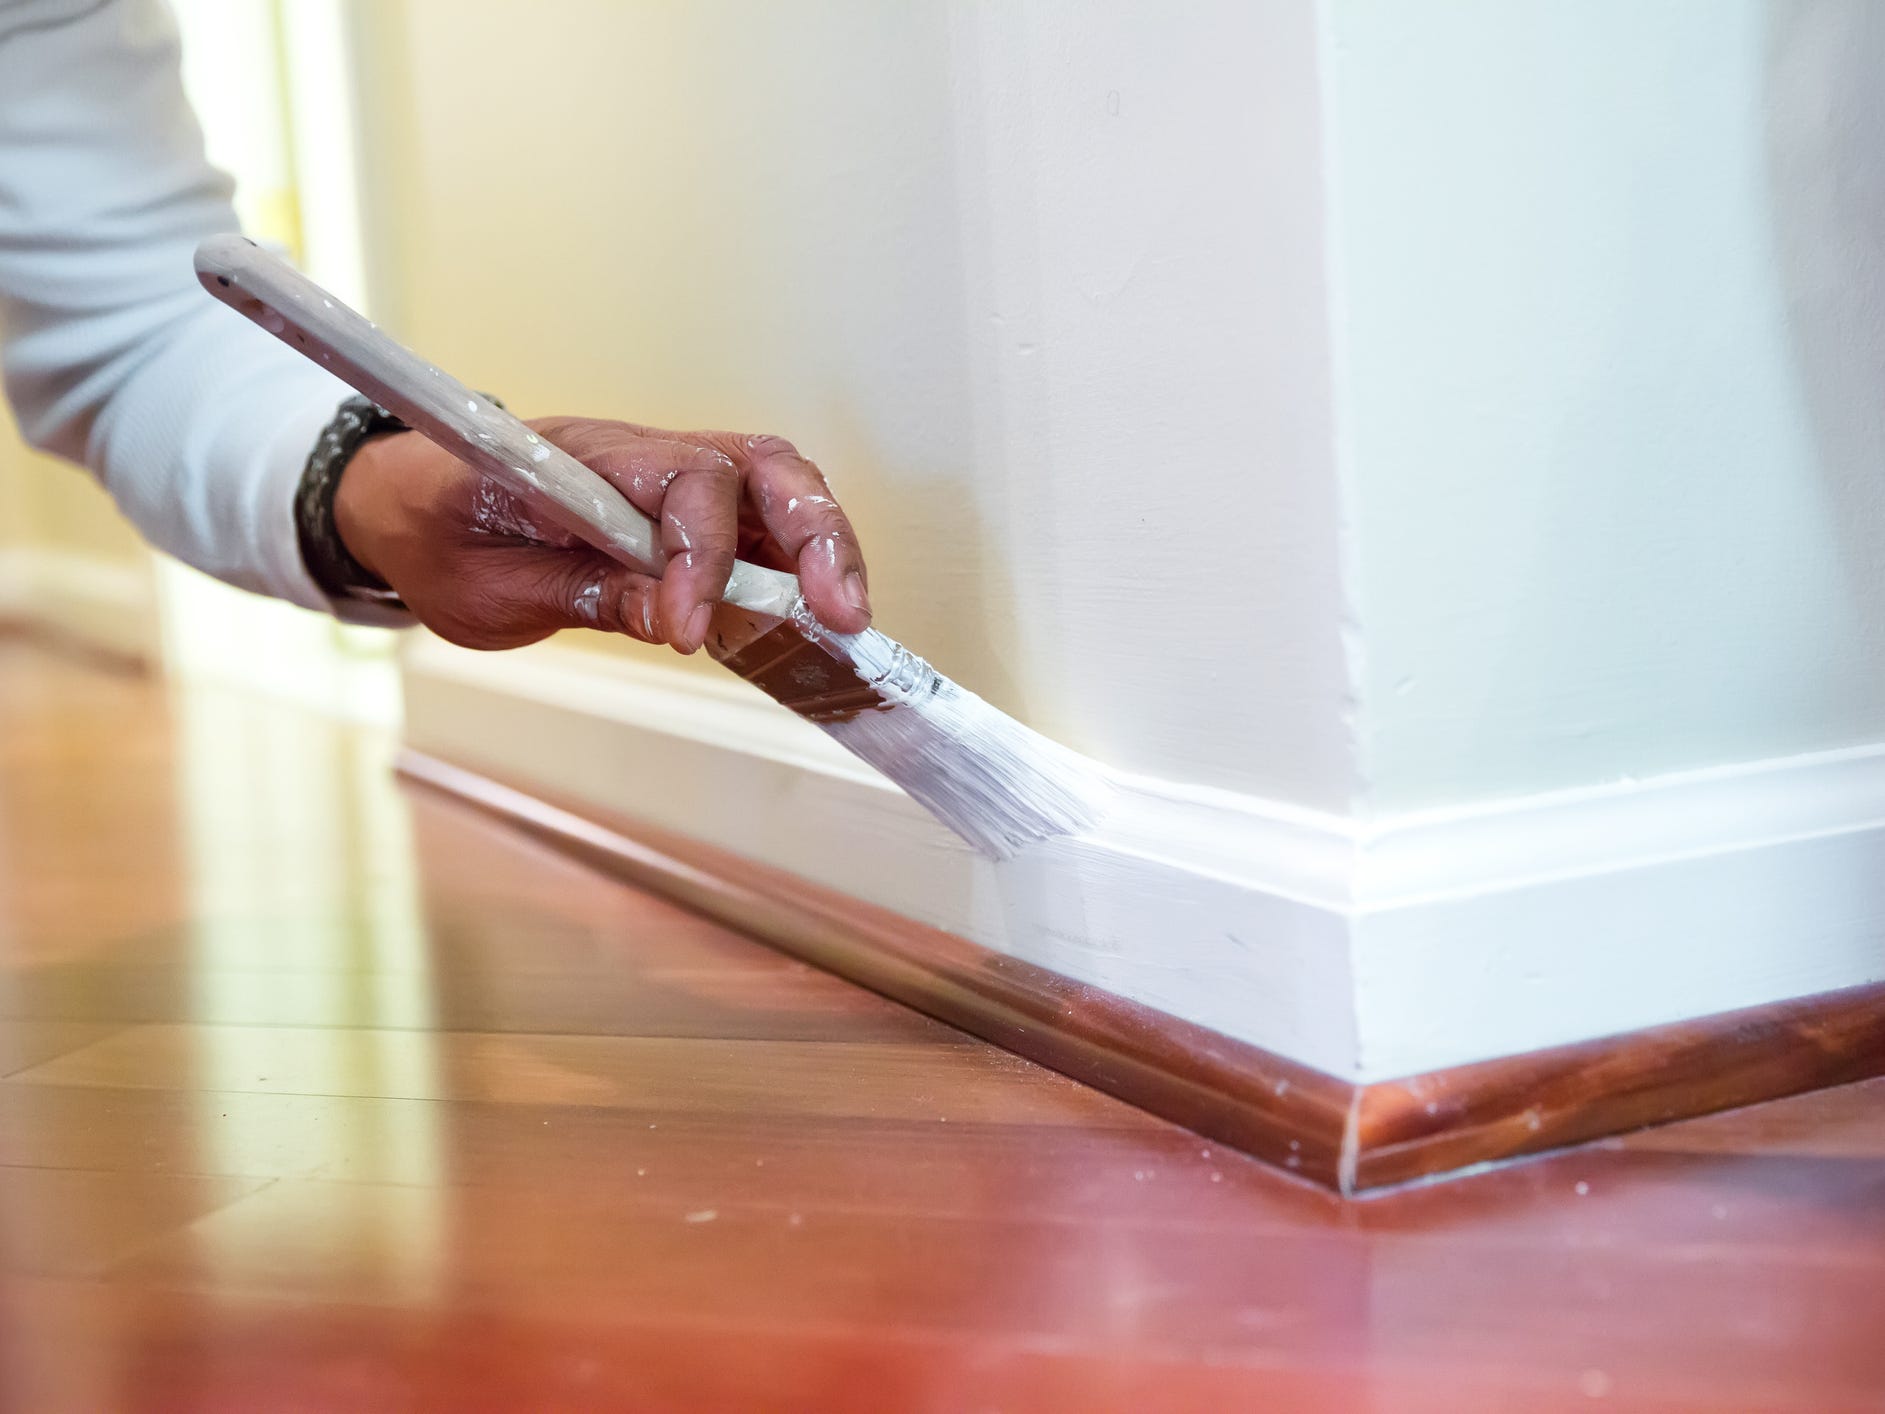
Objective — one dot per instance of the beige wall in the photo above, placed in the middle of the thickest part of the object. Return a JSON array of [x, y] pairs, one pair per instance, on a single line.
[[48, 505], [14, 528], [1038, 285]]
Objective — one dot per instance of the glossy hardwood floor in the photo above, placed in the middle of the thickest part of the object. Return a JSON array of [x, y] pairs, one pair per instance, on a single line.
[[318, 1096]]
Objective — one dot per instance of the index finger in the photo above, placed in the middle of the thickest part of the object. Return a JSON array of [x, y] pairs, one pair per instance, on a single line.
[[797, 507]]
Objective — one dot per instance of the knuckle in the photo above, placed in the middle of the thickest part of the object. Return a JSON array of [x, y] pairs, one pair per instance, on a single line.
[[702, 566], [770, 444], [711, 461], [601, 446]]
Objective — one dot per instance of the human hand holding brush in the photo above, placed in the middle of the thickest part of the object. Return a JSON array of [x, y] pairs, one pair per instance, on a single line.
[[992, 779], [486, 566]]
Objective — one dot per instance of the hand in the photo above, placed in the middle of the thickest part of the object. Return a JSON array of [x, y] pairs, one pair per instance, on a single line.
[[485, 569]]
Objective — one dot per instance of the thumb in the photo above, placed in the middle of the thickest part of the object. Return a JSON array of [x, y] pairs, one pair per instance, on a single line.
[[528, 592]]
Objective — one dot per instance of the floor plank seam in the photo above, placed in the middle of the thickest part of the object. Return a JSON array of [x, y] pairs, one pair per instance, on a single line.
[[156, 1239]]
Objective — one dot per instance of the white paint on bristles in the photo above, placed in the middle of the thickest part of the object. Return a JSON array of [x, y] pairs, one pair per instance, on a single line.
[[997, 783]]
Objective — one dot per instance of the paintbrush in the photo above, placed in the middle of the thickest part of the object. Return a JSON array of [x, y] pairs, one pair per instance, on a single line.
[[997, 783]]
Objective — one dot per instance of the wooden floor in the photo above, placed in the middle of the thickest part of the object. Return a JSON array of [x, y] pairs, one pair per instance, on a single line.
[[319, 1097]]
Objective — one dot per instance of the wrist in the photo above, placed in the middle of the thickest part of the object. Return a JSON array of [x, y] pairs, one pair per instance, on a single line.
[[370, 468]]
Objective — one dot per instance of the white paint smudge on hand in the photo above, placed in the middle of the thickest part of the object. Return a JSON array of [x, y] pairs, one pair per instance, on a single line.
[[495, 511], [588, 604]]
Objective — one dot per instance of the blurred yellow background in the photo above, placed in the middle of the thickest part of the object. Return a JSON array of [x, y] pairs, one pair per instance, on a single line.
[[867, 227], [503, 198]]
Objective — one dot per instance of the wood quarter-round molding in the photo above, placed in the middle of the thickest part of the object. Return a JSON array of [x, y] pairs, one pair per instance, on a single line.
[[1452, 1119], [1319, 1127]]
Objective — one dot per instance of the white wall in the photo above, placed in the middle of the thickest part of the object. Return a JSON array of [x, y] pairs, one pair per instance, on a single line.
[[1609, 385], [1039, 285], [1051, 275]]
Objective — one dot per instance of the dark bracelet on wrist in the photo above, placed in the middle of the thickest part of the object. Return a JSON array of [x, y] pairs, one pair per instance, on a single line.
[[330, 564]]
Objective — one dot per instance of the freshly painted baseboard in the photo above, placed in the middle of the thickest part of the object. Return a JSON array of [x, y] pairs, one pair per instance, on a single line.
[[1195, 906], [1351, 1137], [103, 605], [1369, 951]]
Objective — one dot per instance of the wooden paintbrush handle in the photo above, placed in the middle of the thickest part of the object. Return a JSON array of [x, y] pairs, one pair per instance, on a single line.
[[308, 319]]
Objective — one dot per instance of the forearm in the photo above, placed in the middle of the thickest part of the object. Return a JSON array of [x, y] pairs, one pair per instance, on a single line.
[[194, 422]]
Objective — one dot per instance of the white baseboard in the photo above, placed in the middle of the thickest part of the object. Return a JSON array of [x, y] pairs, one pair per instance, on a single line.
[[1368, 951], [102, 603]]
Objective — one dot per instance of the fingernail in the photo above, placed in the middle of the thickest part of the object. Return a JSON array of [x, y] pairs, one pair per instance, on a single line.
[[696, 631], [854, 594]]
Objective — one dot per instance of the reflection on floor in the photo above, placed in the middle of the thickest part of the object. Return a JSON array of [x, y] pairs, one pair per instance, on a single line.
[[319, 1097]]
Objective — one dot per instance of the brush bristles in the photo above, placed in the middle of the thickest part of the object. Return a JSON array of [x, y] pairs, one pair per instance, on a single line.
[[1000, 785]]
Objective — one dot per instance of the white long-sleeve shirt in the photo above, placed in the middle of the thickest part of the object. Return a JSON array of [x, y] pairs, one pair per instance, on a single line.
[[196, 422]]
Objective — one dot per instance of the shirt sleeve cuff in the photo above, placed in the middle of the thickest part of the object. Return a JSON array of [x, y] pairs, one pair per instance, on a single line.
[[285, 458]]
